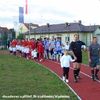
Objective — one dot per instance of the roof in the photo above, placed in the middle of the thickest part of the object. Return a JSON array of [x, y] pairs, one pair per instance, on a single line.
[[90, 28], [30, 25], [3, 30], [65, 27]]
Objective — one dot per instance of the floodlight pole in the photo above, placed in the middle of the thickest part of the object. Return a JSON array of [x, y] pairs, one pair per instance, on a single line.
[[29, 30]]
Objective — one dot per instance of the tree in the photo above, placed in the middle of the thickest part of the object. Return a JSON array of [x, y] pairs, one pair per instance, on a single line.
[[20, 36], [12, 32], [4, 39]]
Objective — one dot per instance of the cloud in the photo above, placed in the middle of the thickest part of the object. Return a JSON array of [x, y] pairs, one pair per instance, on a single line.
[[51, 11]]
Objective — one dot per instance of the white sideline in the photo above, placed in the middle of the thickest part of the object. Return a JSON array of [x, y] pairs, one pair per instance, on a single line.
[[61, 80], [82, 73]]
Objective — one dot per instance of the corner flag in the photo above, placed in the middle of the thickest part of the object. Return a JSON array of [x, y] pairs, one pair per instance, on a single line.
[[26, 7]]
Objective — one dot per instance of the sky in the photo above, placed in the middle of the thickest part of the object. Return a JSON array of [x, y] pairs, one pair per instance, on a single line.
[[50, 11]]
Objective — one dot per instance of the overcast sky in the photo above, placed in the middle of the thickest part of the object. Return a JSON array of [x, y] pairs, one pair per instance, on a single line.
[[50, 11]]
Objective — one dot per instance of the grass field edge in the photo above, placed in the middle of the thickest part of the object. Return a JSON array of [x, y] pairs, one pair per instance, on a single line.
[[61, 80]]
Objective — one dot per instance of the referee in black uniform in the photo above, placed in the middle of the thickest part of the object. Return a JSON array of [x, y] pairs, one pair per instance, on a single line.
[[76, 47]]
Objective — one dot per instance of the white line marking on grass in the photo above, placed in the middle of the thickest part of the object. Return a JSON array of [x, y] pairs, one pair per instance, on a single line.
[[61, 80], [82, 73], [88, 75]]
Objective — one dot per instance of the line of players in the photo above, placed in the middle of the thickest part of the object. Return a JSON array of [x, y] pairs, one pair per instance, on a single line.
[[40, 49]]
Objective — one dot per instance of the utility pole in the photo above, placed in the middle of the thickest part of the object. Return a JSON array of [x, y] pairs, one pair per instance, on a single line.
[[29, 30]]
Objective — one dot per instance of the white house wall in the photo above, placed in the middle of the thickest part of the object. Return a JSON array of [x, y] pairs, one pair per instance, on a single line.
[[98, 38], [89, 38], [97, 33]]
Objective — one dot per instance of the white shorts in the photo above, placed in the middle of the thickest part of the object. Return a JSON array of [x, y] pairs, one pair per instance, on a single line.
[[34, 54], [10, 48], [22, 49], [26, 50], [14, 49]]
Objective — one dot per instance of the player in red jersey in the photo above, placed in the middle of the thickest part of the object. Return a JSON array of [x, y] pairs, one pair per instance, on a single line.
[[13, 44], [40, 49]]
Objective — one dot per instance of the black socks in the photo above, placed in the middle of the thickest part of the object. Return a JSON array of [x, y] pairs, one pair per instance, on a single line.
[[75, 71], [94, 73]]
